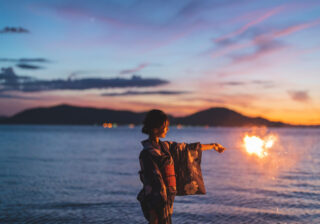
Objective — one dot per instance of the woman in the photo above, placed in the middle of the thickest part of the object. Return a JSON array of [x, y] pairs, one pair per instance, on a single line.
[[167, 169]]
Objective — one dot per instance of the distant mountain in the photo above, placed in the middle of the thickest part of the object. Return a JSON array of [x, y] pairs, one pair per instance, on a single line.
[[220, 116], [2, 118], [72, 115]]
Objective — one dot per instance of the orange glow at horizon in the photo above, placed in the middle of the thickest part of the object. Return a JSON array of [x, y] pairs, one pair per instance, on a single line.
[[284, 112]]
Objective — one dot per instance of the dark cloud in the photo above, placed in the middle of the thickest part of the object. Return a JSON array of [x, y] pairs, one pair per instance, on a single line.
[[232, 83], [24, 60], [263, 83], [247, 35], [134, 70], [262, 48], [225, 42], [28, 66], [14, 30], [190, 8], [10, 96], [300, 96], [75, 74], [194, 7], [203, 99], [33, 60], [260, 41], [9, 81], [24, 63], [135, 93]]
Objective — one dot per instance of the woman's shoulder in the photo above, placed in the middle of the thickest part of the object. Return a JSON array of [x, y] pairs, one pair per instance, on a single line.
[[149, 149], [167, 144], [172, 144]]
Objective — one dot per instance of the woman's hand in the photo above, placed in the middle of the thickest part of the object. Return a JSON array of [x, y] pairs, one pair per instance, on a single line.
[[219, 148]]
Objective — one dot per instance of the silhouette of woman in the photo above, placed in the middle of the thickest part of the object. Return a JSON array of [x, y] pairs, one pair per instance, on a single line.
[[167, 169]]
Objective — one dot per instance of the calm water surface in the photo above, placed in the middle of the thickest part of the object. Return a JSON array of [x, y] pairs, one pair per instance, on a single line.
[[84, 174]]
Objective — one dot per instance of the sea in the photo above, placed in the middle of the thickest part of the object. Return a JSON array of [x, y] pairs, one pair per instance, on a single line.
[[89, 174]]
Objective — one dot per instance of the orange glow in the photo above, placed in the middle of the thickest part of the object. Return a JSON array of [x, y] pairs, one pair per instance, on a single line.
[[107, 125], [254, 145], [131, 125], [179, 126], [280, 109]]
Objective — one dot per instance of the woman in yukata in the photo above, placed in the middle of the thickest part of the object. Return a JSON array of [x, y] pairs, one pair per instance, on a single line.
[[167, 169]]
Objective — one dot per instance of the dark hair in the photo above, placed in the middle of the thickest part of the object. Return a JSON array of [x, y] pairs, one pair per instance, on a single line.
[[154, 119]]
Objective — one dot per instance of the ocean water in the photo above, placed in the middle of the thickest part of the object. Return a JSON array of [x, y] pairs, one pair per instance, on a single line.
[[88, 174]]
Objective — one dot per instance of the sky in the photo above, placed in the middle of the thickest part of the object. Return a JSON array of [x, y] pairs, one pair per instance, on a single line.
[[260, 58]]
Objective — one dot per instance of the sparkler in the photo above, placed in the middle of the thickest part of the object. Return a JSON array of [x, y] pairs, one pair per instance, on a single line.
[[255, 145]]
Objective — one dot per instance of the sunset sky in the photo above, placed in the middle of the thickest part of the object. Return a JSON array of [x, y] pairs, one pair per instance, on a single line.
[[260, 58]]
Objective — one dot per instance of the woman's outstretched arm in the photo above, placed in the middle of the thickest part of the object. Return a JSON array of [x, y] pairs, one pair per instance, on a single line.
[[219, 148]]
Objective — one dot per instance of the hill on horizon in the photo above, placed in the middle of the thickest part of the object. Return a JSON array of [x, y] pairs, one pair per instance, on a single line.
[[220, 116], [74, 115]]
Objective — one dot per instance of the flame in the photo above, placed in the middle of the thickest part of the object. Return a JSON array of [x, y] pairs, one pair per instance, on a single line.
[[257, 146]]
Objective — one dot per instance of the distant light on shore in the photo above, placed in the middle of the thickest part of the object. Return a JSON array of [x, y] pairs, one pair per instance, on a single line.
[[179, 126], [107, 125]]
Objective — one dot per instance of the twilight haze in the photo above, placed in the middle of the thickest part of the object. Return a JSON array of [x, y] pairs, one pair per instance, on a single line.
[[260, 58]]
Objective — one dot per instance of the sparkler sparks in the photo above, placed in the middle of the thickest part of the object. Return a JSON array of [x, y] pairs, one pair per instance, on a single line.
[[254, 145]]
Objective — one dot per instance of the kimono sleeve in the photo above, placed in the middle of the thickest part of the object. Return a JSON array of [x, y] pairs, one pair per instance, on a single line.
[[154, 188], [187, 162]]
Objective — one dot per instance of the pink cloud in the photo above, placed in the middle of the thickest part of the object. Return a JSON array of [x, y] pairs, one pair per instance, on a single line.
[[221, 100], [296, 28], [300, 96], [134, 70], [265, 39], [251, 24], [231, 48], [262, 51]]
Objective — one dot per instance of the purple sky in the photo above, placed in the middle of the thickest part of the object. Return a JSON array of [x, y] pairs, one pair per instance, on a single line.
[[257, 57]]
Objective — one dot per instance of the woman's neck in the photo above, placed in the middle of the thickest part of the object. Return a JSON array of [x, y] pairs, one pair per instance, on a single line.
[[154, 138]]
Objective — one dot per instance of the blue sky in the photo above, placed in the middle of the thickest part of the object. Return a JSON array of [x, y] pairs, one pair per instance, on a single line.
[[257, 57]]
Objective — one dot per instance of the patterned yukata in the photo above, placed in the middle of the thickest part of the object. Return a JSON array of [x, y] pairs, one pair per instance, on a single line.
[[155, 194]]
